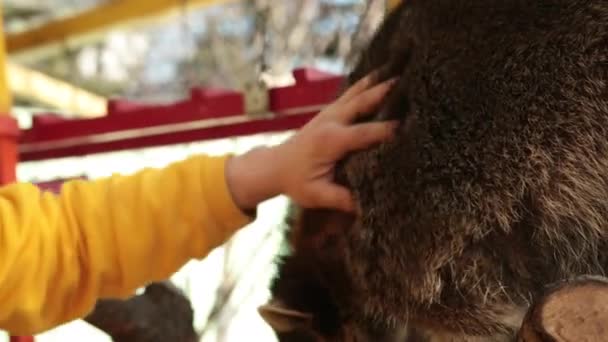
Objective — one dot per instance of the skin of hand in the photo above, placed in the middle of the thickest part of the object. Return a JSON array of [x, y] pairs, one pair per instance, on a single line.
[[302, 167]]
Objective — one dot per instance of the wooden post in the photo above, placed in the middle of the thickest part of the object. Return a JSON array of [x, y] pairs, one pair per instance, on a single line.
[[570, 311]]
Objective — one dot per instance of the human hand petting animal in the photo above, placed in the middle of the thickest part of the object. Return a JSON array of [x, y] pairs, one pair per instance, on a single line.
[[302, 167]]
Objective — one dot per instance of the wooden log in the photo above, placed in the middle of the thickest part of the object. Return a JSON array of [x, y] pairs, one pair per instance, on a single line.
[[571, 311]]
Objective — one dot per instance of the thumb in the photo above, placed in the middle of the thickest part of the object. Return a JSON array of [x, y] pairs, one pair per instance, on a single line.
[[333, 196]]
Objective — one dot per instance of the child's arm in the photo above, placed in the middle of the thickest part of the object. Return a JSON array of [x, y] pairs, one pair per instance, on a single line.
[[105, 238], [59, 254]]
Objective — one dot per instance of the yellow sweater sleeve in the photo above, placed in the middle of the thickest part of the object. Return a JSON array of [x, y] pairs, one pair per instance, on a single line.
[[106, 238]]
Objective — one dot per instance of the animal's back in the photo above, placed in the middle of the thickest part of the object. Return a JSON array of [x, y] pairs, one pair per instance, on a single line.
[[497, 182]]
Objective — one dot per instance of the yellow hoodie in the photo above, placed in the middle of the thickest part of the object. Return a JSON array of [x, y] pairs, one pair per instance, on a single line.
[[106, 238]]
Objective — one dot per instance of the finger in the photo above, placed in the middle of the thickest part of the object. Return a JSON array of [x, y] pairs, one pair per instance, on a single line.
[[358, 87], [364, 102], [362, 136], [333, 196]]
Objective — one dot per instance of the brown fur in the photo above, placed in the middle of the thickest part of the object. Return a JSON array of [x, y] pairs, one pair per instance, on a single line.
[[496, 184]]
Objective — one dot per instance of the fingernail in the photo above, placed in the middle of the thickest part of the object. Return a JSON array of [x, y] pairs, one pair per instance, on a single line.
[[371, 77], [392, 81]]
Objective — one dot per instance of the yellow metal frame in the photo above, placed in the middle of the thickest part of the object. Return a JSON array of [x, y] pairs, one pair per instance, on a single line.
[[52, 92], [6, 101], [92, 24], [72, 31]]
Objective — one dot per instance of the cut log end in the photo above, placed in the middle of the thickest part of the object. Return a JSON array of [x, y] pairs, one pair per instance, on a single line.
[[571, 311]]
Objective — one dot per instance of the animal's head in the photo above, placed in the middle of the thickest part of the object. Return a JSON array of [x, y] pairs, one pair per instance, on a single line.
[[312, 303], [296, 326], [313, 314]]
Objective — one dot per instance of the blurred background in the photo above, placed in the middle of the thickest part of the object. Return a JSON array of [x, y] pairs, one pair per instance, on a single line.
[[156, 58]]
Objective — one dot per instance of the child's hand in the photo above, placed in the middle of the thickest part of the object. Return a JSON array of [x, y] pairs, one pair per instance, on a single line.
[[302, 167], [307, 160]]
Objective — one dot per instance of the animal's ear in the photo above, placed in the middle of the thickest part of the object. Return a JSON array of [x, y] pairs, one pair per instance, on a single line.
[[283, 319]]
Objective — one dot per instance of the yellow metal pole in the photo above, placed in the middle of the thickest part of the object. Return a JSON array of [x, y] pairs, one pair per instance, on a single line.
[[8, 126], [36, 86], [5, 95], [90, 25]]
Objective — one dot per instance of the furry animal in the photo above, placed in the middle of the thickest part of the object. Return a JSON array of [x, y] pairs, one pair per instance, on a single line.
[[496, 184]]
